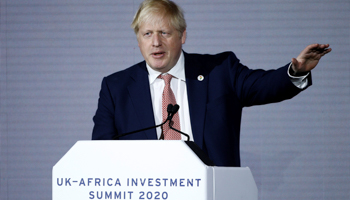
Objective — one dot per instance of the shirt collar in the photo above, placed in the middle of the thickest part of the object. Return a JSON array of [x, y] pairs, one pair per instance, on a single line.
[[178, 71]]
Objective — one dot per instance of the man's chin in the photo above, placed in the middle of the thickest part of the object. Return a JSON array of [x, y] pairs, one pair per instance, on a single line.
[[160, 68]]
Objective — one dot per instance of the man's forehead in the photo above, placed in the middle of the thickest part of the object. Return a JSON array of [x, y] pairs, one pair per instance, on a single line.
[[156, 21]]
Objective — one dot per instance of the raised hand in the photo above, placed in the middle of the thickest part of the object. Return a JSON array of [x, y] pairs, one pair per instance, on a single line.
[[309, 58]]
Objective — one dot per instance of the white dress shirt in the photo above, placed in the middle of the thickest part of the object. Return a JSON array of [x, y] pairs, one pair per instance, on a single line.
[[178, 85]]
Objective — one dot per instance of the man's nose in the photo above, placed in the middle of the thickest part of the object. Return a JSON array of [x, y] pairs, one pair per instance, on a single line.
[[156, 40]]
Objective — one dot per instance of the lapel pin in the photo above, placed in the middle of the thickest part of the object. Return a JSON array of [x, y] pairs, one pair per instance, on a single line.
[[200, 77]]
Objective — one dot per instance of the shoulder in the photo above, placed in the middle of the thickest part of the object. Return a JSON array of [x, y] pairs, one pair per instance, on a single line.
[[206, 63], [211, 60], [211, 57], [138, 69]]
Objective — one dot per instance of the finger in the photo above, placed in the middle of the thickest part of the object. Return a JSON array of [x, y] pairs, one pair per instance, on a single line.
[[313, 46], [318, 46], [326, 51], [324, 45], [322, 49]]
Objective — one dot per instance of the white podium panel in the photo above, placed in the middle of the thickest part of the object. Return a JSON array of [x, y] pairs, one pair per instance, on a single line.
[[145, 170]]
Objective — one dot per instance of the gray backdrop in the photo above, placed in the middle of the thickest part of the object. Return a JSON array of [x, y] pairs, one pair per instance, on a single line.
[[54, 54]]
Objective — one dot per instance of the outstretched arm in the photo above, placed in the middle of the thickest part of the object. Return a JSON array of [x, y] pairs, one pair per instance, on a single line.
[[309, 58]]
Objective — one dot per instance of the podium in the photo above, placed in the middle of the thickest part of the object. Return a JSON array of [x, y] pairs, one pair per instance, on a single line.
[[140, 169]]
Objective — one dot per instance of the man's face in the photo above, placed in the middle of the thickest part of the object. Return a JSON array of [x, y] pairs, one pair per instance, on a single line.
[[160, 44]]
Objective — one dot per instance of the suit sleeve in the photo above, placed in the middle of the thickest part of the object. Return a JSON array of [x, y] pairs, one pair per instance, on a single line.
[[257, 87], [104, 128]]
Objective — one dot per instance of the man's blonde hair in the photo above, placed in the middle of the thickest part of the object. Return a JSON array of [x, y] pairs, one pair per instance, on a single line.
[[149, 10]]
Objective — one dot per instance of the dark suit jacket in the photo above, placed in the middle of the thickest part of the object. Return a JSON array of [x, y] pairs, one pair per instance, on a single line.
[[215, 103]]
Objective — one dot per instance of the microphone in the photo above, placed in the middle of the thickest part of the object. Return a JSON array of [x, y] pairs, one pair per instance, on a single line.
[[174, 110], [170, 109], [170, 116]]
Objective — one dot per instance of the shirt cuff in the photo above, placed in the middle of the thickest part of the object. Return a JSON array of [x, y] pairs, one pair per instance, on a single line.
[[299, 81]]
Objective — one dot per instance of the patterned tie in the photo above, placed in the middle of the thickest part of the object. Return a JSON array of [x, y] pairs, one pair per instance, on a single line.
[[169, 98]]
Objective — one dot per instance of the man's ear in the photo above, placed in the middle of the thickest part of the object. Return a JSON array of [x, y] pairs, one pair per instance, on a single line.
[[183, 38]]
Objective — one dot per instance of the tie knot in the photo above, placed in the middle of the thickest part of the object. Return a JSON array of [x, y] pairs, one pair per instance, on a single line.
[[166, 77]]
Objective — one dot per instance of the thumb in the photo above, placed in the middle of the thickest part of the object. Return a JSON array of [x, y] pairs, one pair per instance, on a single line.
[[295, 64]]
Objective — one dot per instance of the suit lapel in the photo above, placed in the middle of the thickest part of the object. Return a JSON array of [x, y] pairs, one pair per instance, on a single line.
[[140, 96], [196, 91], [197, 96]]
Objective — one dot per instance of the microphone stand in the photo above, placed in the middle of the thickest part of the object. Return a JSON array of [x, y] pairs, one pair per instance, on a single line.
[[174, 110], [170, 116]]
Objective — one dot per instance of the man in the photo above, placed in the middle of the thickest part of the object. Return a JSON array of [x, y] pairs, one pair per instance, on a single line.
[[210, 89]]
